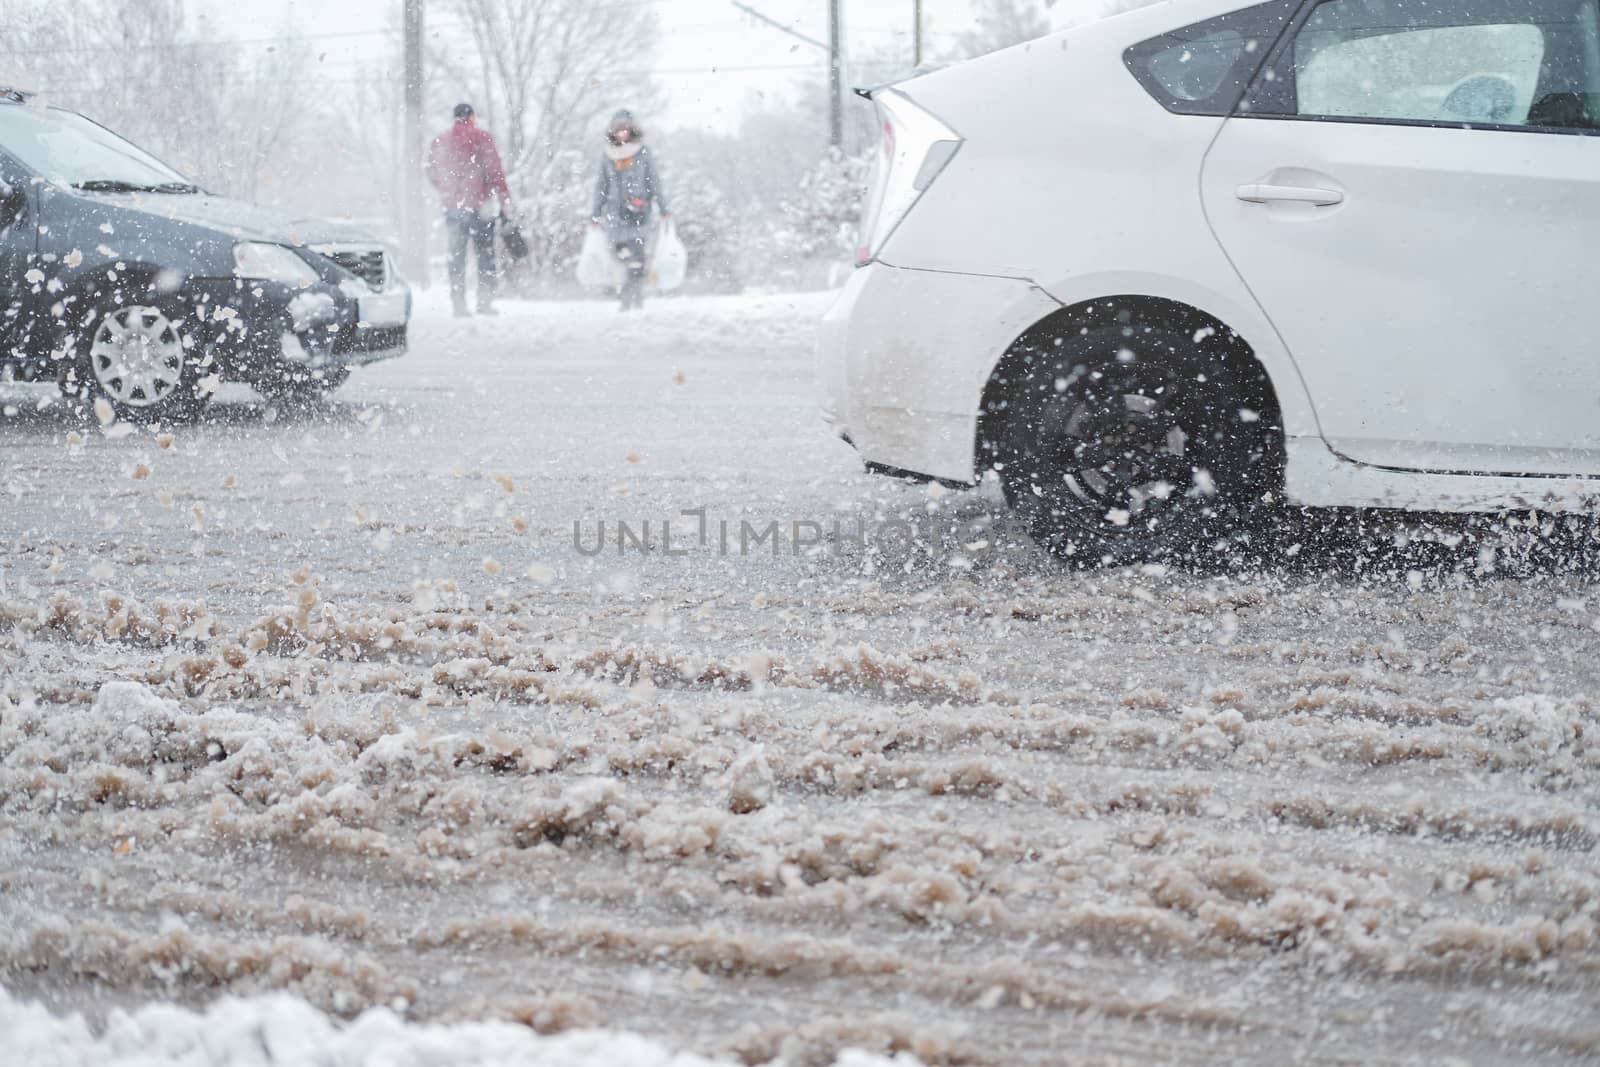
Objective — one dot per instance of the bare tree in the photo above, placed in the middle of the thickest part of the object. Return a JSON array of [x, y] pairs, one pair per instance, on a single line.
[[216, 110], [543, 72], [1001, 24], [368, 122]]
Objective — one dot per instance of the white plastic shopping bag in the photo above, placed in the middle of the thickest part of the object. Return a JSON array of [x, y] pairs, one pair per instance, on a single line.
[[671, 260], [595, 259]]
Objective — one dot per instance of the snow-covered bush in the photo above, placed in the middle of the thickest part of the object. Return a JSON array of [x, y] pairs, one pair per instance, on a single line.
[[553, 204], [823, 218], [710, 229]]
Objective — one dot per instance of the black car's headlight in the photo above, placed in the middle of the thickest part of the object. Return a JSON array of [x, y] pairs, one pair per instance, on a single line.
[[262, 262]]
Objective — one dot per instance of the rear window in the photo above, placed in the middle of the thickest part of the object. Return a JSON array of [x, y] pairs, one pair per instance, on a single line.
[[1203, 69]]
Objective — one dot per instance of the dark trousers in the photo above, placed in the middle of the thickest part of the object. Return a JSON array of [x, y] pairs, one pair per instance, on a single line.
[[628, 240], [465, 227]]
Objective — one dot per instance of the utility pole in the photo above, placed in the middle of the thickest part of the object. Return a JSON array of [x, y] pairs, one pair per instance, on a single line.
[[835, 62], [916, 34], [835, 79], [413, 221]]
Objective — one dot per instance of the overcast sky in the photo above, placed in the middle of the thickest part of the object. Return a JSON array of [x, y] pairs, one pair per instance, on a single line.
[[712, 61]]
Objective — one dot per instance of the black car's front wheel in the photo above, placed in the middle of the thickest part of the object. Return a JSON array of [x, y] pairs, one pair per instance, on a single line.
[[1126, 444], [140, 356]]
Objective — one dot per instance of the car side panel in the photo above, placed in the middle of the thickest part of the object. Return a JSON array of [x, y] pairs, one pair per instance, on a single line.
[[1316, 477], [1466, 255], [102, 233]]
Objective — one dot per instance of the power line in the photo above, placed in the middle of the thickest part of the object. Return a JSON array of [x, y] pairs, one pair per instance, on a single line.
[[289, 38], [298, 38], [378, 77], [181, 46]]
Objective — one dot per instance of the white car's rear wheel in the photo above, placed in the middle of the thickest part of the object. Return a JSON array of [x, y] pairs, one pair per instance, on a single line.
[[1121, 445]]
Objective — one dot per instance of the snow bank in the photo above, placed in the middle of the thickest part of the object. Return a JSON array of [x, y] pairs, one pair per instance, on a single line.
[[280, 1030]]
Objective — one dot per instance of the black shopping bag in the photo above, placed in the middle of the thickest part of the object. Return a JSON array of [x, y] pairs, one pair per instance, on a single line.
[[511, 237]]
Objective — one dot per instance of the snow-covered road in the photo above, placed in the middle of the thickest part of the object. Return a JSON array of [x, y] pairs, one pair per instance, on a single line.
[[346, 704]]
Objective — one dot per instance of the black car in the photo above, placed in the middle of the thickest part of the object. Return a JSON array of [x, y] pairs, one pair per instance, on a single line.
[[122, 280]]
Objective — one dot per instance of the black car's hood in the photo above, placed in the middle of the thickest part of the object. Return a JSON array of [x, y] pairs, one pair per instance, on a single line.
[[237, 218]]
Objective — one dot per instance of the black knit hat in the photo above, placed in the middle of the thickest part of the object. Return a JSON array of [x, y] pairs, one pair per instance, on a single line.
[[463, 111], [623, 120]]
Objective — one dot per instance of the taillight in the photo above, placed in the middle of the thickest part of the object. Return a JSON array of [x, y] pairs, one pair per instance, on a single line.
[[914, 148]]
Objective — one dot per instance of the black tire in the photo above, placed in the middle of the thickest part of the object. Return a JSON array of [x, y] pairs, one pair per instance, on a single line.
[[137, 349], [1119, 443]]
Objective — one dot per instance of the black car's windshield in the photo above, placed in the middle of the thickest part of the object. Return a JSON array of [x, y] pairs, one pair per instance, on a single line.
[[68, 149]]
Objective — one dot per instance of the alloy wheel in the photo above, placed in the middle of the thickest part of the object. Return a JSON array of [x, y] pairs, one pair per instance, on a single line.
[[1120, 440]]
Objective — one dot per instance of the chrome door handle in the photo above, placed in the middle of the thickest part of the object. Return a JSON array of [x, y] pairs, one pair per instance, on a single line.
[[1258, 193]]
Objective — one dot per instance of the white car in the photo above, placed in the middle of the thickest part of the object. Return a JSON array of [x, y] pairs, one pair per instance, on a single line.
[[1159, 268]]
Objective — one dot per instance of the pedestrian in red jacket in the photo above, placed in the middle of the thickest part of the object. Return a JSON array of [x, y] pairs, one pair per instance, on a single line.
[[464, 165]]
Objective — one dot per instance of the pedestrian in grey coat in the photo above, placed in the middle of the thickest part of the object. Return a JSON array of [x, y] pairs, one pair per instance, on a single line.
[[629, 187]]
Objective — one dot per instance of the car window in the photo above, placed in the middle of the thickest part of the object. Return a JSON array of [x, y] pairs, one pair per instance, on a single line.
[[1203, 69], [1496, 63], [1195, 70], [1482, 74], [68, 149]]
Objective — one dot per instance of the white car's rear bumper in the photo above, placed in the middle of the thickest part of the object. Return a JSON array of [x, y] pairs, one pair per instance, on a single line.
[[903, 356]]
